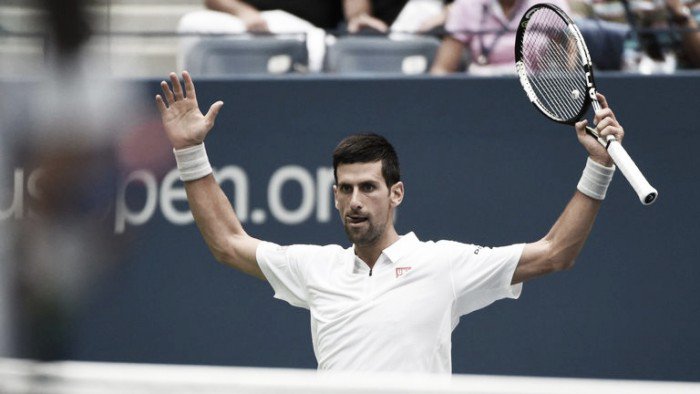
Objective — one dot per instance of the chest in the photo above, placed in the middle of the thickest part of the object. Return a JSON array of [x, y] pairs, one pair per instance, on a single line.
[[410, 294]]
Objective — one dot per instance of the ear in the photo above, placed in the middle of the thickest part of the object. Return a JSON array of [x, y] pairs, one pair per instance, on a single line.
[[396, 194], [335, 196]]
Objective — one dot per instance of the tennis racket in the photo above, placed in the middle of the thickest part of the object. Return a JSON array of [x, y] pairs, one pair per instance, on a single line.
[[555, 70]]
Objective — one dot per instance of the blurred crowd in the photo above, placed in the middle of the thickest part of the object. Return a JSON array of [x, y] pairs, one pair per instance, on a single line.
[[476, 36], [211, 37]]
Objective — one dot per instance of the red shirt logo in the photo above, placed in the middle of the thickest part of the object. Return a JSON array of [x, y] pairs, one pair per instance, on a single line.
[[402, 270]]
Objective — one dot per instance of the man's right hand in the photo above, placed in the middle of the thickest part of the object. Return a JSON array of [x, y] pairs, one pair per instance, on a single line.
[[183, 121]]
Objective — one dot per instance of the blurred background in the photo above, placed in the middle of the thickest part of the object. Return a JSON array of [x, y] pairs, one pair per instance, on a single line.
[[100, 260], [148, 39]]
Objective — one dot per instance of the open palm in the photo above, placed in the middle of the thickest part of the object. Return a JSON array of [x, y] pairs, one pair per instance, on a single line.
[[184, 123]]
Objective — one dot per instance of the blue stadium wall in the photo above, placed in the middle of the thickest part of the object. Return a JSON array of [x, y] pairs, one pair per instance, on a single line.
[[481, 166]]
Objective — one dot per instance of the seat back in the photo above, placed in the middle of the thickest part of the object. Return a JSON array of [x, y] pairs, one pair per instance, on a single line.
[[219, 56], [364, 55]]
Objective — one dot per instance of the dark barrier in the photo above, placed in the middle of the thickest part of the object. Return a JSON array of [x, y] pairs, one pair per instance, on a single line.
[[480, 165]]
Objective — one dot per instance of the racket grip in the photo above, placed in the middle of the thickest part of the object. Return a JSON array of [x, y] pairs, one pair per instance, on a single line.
[[647, 194]]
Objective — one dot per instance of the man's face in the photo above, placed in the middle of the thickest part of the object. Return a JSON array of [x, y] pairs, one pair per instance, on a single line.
[[364, 201]]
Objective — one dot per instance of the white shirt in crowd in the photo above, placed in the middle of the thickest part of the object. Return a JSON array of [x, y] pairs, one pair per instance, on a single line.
[[400, 315]]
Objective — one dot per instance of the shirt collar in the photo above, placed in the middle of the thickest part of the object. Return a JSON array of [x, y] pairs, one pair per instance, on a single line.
[[390, 255], [402, 247]]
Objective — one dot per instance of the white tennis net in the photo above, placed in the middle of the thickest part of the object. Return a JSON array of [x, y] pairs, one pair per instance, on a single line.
[[19, 376]]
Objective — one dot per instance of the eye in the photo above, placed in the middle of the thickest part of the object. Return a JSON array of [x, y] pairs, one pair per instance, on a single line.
[[345, 188], [368, 187]]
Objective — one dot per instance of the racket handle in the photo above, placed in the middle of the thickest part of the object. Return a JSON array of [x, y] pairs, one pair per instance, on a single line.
[[647, 194]]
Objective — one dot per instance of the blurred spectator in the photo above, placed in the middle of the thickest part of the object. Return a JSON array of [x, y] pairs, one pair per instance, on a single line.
[[325, 14], [423, 16], [309, 17], [668, 37], [371, 15], [663, 35], [63, 134], [682, 17], [486, 28]]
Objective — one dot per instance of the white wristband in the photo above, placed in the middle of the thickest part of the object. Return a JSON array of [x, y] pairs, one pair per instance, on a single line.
[[192, 162], [595, 179]]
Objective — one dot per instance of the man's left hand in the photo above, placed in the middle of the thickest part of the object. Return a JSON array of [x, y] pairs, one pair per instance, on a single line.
[[606, 124]]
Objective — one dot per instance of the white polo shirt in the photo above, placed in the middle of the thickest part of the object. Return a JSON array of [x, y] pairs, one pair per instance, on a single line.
[[399, 318]]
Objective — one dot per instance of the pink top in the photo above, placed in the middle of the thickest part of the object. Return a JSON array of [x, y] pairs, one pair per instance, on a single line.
[[487, 15]]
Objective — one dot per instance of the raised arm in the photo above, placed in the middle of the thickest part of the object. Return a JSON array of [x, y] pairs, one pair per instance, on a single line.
[[558, 249], [186, 128]]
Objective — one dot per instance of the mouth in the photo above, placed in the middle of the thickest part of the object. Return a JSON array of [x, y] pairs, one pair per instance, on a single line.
[[355, 220]]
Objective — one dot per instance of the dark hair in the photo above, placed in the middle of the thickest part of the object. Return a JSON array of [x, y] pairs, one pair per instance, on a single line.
[[368, 148]]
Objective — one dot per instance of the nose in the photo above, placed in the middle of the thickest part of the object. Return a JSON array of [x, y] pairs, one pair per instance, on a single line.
[[355, 203]]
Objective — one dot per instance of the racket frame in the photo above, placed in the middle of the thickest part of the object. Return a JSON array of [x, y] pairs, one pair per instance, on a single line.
[[586, 65], [646, 193]]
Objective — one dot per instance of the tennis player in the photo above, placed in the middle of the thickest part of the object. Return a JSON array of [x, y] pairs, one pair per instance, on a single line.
[[389, 302]]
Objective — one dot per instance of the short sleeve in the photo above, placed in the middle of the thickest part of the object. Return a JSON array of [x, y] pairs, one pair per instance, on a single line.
[[482, 275], [283, 268]]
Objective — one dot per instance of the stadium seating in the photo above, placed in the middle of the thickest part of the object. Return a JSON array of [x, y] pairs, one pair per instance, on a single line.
[[368, 54], [243, 56]]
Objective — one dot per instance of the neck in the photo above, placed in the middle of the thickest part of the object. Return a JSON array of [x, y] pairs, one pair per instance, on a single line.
[[370, 253]]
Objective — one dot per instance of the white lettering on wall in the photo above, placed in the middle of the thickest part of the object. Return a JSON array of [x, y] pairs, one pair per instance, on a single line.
[[168, 194], [169, 197], [274, 194], [136, 218]]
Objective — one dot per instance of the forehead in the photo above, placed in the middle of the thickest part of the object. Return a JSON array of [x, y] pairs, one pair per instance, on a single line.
[[360, 172]]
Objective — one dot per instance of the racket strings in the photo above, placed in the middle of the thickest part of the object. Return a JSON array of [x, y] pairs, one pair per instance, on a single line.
[[563, 56], [557, 82], [551, 58], [558, 55], [555, 87], [546, 92], [555, 57], [560, 83], [549, 93]]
